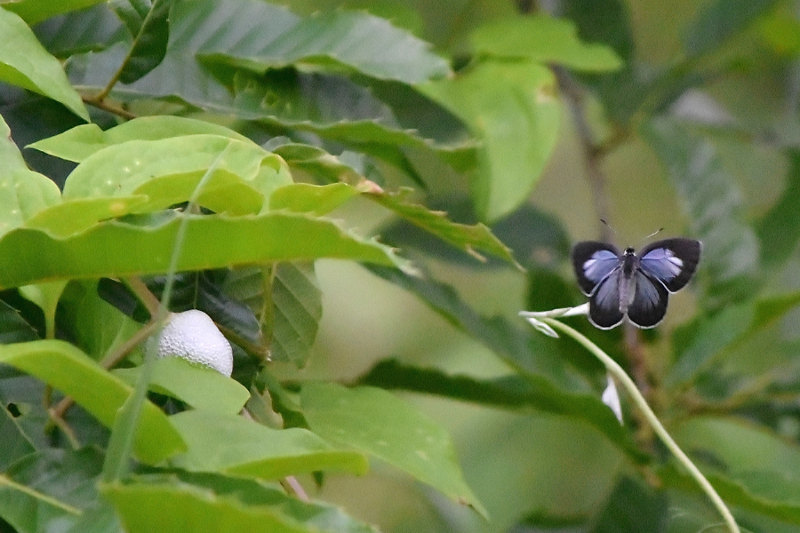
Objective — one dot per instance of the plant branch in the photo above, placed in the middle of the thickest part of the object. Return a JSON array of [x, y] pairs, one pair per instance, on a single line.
[[623, 379]]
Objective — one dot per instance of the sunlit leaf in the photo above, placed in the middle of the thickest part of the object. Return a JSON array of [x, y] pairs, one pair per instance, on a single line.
[[71, 371], [215, 241], [193, 502], [236, 445], [512, 109], [78, 143], [169, 170], [543, 39], [375, 422], [25, 63], [198, 387], [22, 192]]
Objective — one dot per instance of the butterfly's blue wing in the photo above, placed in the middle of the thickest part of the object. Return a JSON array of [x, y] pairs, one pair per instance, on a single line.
[[593, 261], [671, 261]]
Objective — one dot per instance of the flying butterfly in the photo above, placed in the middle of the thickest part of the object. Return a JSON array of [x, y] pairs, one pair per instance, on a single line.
[[636, 287]]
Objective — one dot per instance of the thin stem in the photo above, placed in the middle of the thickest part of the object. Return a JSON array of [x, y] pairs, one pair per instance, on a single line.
[[622, 377], [8, 482]]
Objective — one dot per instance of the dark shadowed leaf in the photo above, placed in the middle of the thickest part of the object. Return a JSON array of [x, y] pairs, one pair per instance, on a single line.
[[148, 24], [719, 21]]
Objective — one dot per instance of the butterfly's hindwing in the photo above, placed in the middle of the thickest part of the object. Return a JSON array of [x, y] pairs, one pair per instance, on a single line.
[[649, 304], [604, 303]]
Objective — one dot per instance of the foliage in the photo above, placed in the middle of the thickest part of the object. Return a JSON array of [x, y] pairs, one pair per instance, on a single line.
[[241, 157]]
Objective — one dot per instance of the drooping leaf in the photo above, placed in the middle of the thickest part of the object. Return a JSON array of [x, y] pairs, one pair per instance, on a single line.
[[232, 444], [715, 335], [543, 39], [472, 239], [195, 502], [214, 241], [90, 29], [368, 44], [375, 422], [719, 21], [71, 371], [603, 21], [779, 230], [198, 387], [730, 246], [33, 11], [25, 63], [511, 108], [46, 296], [22, 192], [148, 23]]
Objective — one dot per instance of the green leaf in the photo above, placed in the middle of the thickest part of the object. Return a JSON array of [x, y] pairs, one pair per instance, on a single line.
[[359, 41], [68, 369], [213, 241], [297, 304], [201, 388], [375, 422], [22, 192], [148, 24], [542, 39], [512, 109], [779, 229], [715, 336], [719, 21], [469, 238], [47, 490], [78, 143], [192, 502], [764, 475], [318, 162], [313, 199], [169, 170], [730, 246], [16, 443], [507, 392], [235, 445], [33, 11], [46, 296], [25, 63], [79, 214], [604, 21], [14, 327]]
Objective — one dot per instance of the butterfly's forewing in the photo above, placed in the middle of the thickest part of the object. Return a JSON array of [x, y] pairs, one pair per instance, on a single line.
[[593, 261], [671, 261], [649, 304], [604, 308]]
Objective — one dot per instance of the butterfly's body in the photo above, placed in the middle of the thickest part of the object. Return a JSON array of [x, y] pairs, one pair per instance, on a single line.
[[630, 286]]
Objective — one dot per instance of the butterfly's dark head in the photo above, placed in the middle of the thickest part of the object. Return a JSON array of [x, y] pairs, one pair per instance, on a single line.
[[629, 251], [629, 261]]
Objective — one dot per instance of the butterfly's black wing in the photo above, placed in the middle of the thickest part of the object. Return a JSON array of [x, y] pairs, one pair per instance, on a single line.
[[650, 299], [604, 302], [671, 261], [593, 261]]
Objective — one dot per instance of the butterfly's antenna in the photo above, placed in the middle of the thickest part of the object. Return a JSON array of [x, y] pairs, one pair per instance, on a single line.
[[656, 232], [604, 221]]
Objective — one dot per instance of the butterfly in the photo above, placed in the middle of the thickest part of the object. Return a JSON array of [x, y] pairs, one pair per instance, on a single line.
[[636, 287]]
